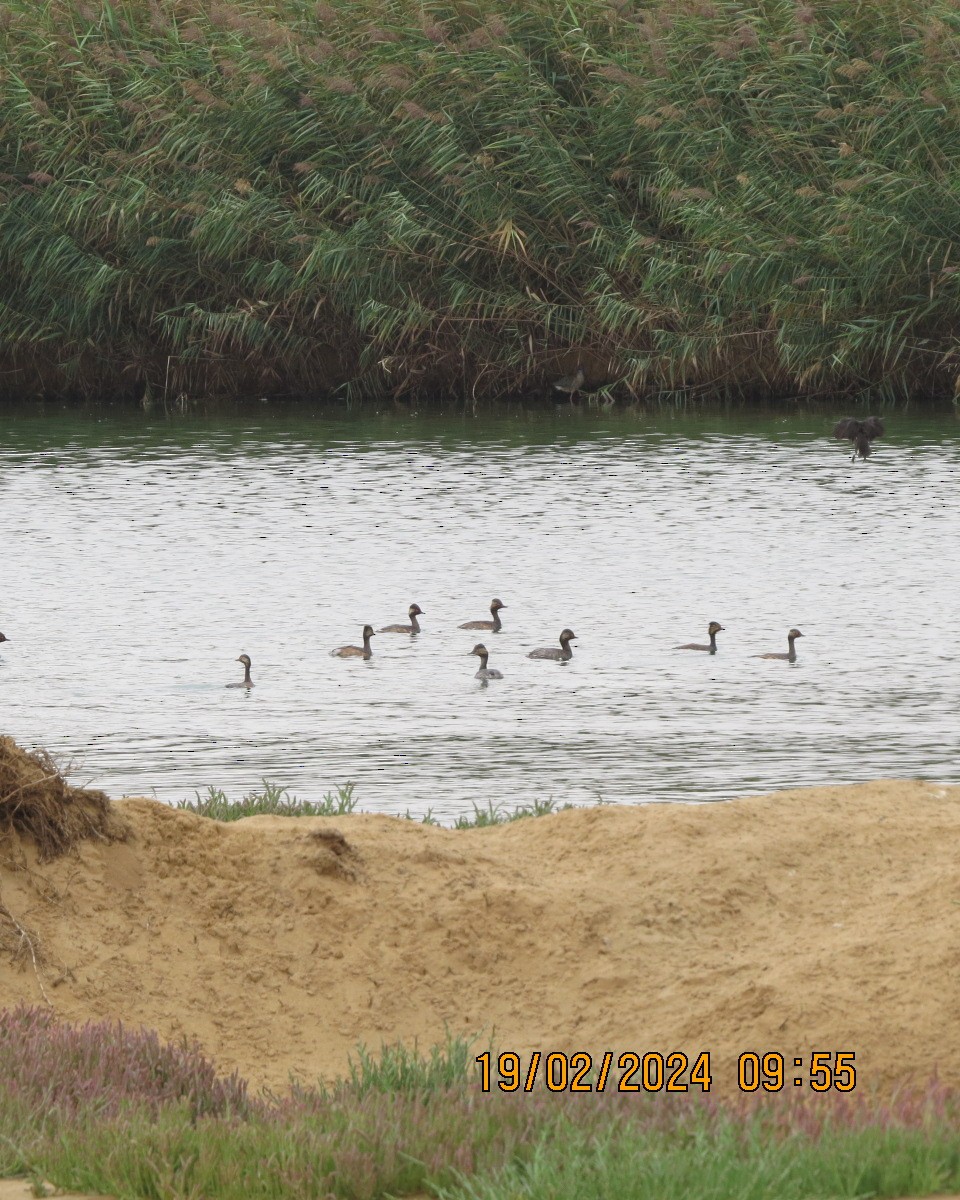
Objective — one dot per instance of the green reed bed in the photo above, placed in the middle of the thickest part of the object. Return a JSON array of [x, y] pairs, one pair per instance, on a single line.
[[447, 198], [106, 1109]]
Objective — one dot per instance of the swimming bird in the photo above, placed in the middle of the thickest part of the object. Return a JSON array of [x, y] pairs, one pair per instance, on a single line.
[[712, 629], [247, 681], [861, 433], [413, 612], [792, 656], [564, 654], [363, 651], [495, 624], [570, 384], [481, 651]]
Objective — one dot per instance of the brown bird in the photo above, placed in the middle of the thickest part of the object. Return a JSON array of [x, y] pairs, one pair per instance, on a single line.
[[481, 651], [363, 651], [861, 433], [247, 681], [792, 655], [712, 629], [570, 384], [496, 625], [564, 654], [413, 612], [3, 639]]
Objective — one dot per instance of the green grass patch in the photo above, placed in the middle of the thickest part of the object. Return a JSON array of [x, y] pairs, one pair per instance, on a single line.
[[731, 1161], [105, 1109], [400, 1068], [501, 814], [272, 801], [275, 800]]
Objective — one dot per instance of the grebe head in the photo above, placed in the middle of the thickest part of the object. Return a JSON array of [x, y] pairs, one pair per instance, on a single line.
[[794, 633], [714, 627], [245, 659], [415, 611]]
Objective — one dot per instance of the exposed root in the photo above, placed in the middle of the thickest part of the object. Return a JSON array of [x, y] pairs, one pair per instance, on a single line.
[[36, 801], [22, 944], [38, 807], [48, 891]]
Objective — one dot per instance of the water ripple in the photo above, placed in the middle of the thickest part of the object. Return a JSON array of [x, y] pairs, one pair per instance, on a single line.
[[138, 568]]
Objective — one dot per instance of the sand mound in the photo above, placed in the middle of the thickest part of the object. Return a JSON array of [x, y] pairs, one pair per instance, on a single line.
[[817, 920]]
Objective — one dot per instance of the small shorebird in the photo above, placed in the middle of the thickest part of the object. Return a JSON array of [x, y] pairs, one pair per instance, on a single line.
[[570, 384]]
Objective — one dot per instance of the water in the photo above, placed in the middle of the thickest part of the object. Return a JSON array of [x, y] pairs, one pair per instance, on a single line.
[[140, 558]]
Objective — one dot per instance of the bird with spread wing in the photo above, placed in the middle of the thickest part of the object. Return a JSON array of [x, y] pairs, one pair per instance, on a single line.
[[861, 433]]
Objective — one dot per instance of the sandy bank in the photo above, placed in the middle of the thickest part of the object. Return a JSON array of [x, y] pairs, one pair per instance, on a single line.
[[818, 919]]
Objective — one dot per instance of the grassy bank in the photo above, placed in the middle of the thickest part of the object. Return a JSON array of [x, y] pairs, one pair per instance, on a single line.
[[276, 801], [104, 1109], [464, 200]]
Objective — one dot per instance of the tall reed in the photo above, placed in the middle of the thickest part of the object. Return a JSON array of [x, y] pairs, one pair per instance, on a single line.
[[446, 198]]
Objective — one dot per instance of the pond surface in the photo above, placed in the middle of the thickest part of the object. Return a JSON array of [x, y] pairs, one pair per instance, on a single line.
[[141, 557]]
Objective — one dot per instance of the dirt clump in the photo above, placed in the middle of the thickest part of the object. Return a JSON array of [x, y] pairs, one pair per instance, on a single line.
[[36, 801], [332, 854]]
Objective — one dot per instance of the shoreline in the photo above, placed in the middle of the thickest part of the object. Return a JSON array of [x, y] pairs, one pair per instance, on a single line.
[[799, 921]]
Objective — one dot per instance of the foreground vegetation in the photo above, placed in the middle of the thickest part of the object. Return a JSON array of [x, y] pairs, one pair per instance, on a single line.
[[276, 801], [107, 1110], [386, 197], [273, 801]]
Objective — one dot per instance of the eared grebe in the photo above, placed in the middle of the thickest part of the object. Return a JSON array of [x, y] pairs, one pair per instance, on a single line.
[[481, 650], [564, 654], [570, 384], [495, 624], [861, 433], [247, 681], [413, 612], [792, 656], [363, 651], [712, 629]]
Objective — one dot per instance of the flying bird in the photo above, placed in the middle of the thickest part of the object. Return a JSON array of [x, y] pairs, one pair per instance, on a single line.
[[861, 433]]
